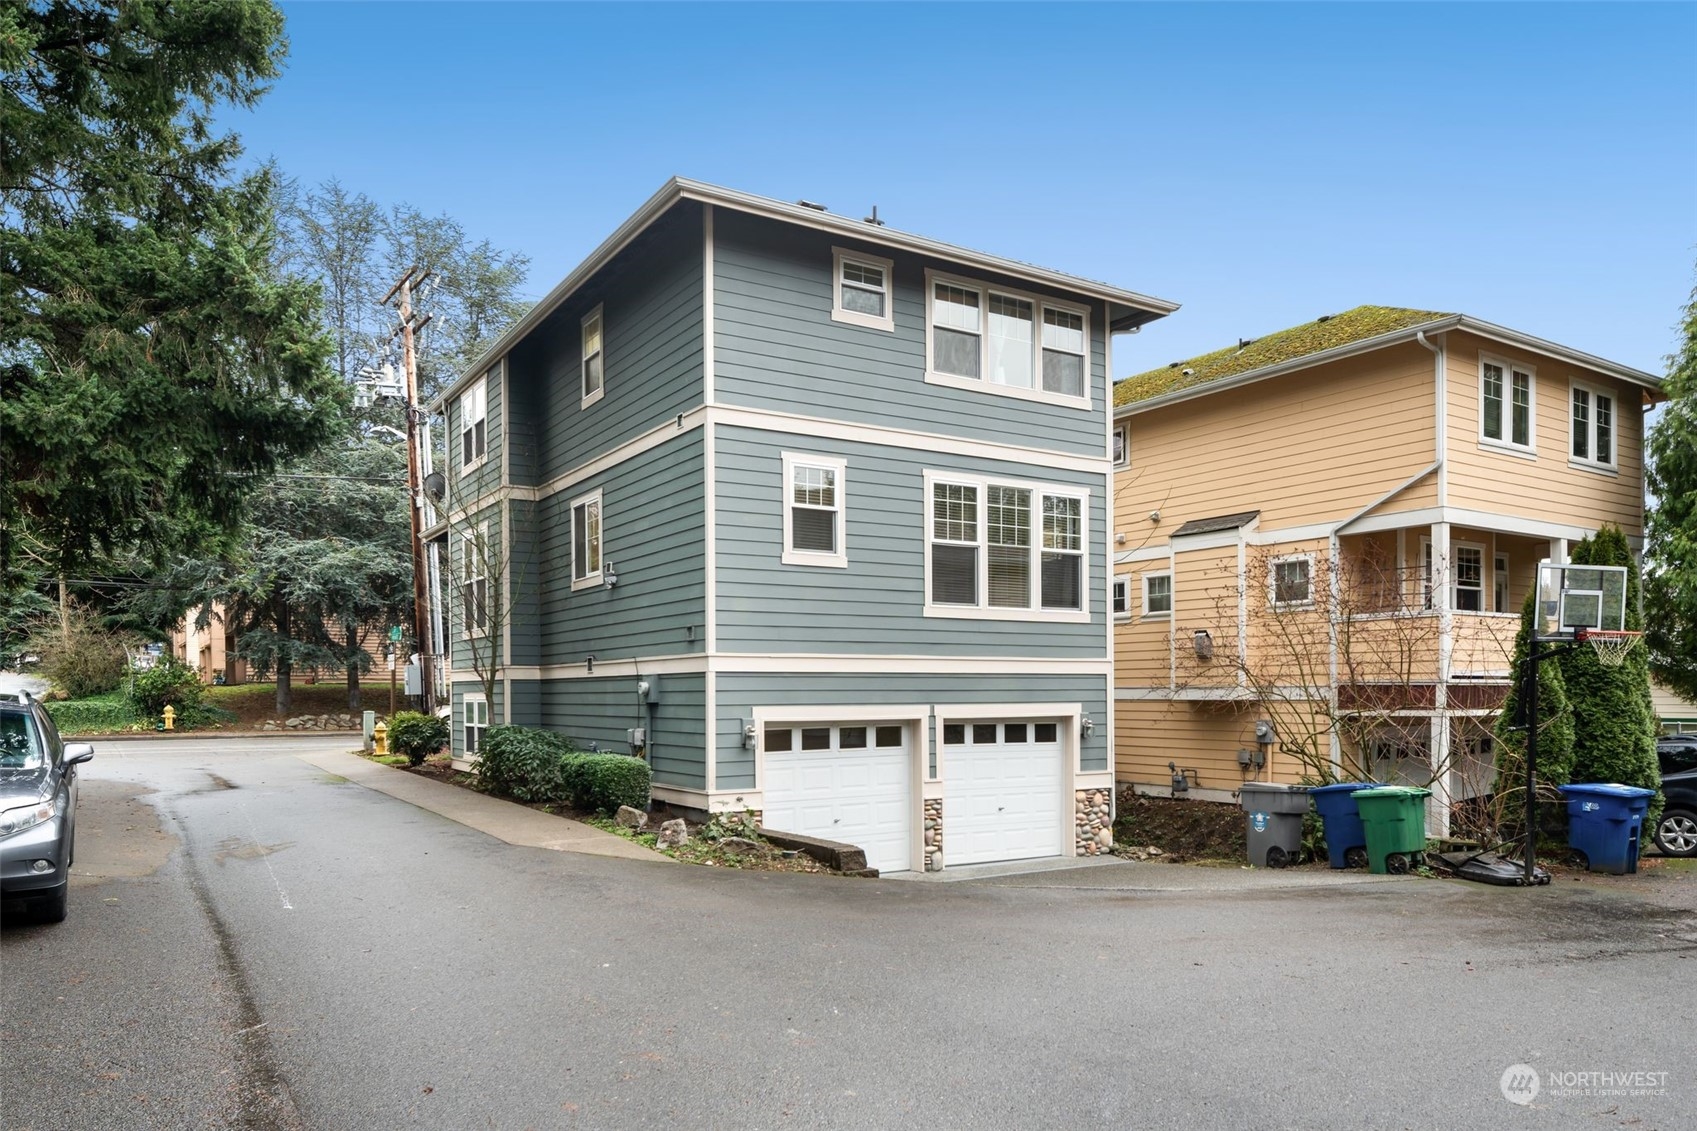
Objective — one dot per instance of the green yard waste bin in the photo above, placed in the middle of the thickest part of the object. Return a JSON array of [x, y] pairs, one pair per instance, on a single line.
[[1394, 819]]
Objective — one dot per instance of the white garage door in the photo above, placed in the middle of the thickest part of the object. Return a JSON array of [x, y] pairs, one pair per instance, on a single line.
[[848, 783], [1001, 791]]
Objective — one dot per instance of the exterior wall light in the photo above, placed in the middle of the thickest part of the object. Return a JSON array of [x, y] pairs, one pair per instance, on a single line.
[[1086, 726], [609, 576]]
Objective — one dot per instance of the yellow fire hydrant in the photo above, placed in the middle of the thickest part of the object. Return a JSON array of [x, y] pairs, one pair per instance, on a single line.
[[380, 735], [170, 717]]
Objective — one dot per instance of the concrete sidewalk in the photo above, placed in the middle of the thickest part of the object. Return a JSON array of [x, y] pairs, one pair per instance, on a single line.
[[504, 820]]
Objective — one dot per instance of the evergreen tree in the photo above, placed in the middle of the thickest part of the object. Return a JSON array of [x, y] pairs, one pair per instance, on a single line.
[[1555, 721], [1670, 582], [1613, 720], [154, 364]]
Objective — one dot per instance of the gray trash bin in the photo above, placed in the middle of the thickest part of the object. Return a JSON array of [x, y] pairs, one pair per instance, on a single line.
[[1274, 816]]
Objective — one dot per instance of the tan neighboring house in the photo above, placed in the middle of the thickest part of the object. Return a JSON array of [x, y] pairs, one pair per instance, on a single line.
[[1323, 539], [1674, 713], [211, 651]]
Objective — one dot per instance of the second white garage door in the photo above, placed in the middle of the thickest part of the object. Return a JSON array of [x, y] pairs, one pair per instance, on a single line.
[[848, 783], [1001, 791]]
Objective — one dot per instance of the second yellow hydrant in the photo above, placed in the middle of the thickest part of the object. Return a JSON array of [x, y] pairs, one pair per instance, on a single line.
[[380, 736], [170, 717]]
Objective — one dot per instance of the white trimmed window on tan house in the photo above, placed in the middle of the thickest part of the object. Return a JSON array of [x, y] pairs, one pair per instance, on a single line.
[[1005, 550], [1121, 597], [1290, 581], [814, 510], [1158, 594], [1506, 396], [1592, 420]]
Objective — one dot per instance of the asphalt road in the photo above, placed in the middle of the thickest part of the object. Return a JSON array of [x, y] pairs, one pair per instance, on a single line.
[[254, 943]]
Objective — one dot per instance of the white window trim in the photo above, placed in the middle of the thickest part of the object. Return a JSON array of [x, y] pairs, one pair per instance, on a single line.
[[470, 699], [588, 581], [983, 384], [1122, 430], [468, 564], [1119, 580], [1506, 443], [1500, 572], [479, 389], [1146, 614], [1455, 576], [1592, 463], [1273, 582], [583, 357], [840, 255], [790, 556], [985, 611]]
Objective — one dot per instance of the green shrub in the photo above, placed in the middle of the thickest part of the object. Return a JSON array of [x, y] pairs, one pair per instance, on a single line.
[[83, 662], [101, 715], [611, 780], [524, 763], [171, 681], [417, 736]]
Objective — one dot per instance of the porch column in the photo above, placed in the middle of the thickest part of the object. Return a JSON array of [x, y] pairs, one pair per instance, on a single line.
[[1443, 599]]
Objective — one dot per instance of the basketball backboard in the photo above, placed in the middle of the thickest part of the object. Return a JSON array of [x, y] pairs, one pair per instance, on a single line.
[[1573, 598]]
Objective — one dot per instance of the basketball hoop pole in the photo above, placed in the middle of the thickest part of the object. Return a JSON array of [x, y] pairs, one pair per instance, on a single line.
[[1529, 695]]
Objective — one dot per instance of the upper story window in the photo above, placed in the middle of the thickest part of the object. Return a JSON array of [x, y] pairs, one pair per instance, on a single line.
[[1005, 550], [1290, 581], [1001, 341], [1593, 426], [594, 359], [1122, 446], [473, 425], [1158, 594], [813, 510], [474, 591], [1121, 598], [862, 289], [1505, 403], [586, 541]]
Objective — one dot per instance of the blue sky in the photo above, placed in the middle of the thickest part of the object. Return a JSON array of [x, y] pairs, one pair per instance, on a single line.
[[1533, 165]]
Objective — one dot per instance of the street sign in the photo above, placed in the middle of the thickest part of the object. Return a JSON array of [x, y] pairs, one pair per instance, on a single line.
[[394, 634]]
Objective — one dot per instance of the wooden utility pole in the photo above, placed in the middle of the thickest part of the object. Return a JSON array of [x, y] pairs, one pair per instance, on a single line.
[[415, 484]]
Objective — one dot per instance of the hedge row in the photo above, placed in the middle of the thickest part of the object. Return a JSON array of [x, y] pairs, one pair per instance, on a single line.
[[91, 716], [538, 766]]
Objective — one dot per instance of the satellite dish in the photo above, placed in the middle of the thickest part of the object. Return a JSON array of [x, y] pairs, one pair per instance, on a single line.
[[435, 486]]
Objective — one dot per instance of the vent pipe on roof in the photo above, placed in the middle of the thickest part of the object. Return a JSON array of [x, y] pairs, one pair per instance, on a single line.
[[873, 219], [812, 205]]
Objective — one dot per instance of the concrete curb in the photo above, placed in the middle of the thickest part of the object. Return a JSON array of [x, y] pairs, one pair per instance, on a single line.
[[503, 820]]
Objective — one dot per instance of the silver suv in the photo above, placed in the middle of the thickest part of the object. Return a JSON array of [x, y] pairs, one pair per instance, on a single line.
[[38, 807]]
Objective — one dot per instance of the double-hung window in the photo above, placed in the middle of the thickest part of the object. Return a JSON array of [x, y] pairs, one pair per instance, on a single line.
[[1469, 588], [862, 290], [1121, 597], [1005, 549], [475, 711], [586, 541], [594, 359], [1593, 426], [474, 590], [1002, 341], [473, 424], [1505, 403], [813, 510], [1122, 446], [1158, 594], [1291, 581]]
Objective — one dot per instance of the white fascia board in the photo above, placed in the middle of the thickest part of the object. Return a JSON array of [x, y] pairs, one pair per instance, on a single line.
[[1488, 330], [679, 188]]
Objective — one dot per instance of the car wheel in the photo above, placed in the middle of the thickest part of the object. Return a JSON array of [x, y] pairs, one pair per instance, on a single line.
[[1676, 833], [54, 904]]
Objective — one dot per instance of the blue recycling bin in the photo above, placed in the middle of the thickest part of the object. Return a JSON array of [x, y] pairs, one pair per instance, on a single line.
[[1605, 823], [1345, 837]]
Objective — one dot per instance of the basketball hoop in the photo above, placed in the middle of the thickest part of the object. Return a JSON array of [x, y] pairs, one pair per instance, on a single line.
[[1611, 646]]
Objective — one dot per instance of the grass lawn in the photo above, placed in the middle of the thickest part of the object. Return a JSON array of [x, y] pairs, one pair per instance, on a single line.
[[254, 703]]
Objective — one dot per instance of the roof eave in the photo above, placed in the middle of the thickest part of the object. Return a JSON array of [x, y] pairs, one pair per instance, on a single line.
[[1143, 308], [1408, 333]]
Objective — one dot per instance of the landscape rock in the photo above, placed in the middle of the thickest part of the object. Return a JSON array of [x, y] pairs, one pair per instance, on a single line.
[[739, 845], [629, 818], [673, 833]]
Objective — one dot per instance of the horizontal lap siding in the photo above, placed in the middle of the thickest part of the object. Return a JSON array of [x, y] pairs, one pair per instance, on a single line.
[[876, 605], [652, 315], [524, 585], [1205, 592], [484, 478], [457, 568], [456, 723], [652, 534], [602, 711], [1204, 737], [739, 694], [1312, 446], [776, 347], [524, 698], [1545, 488]]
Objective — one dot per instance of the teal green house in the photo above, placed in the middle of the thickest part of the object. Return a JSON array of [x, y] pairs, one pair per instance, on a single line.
[[811, 513]]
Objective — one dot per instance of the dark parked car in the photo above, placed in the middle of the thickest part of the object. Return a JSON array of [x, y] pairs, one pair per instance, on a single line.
[[1676, 832], [38, 808]]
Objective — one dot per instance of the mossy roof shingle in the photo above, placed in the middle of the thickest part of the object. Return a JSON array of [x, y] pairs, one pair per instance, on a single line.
[[1323, 334]]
